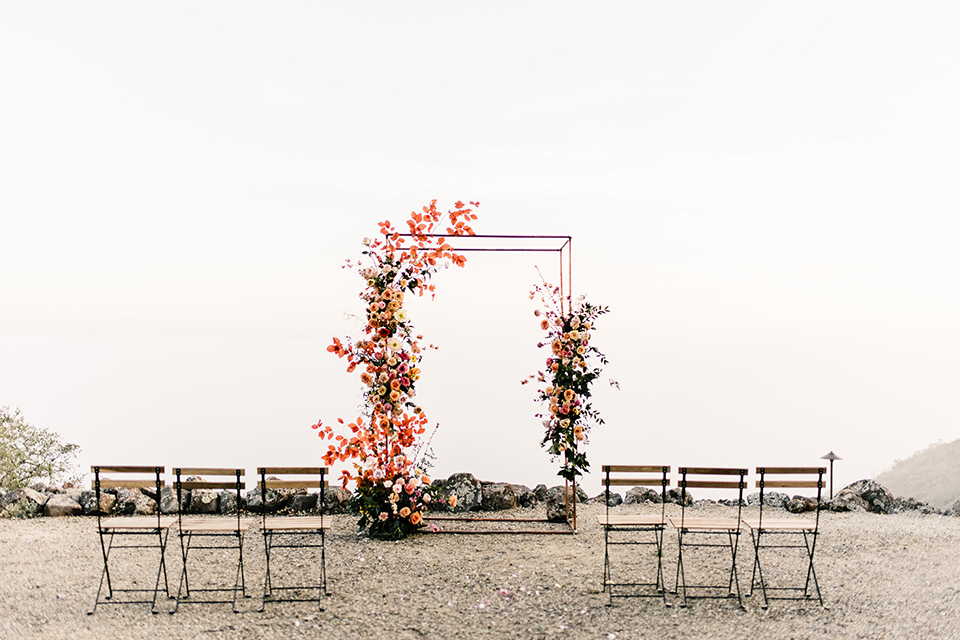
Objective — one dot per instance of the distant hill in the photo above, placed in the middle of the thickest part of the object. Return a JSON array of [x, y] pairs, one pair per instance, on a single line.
[[931, 475]]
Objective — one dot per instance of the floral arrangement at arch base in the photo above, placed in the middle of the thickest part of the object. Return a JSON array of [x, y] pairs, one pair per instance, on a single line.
[[385, 443], [567, 377]]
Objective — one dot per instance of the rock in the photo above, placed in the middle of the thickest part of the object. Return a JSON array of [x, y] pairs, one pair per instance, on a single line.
[[300, 502], [869, 494], [336, 500], [541, 493], [799, 504], [525, 497], [902, 505], [39, 487], [467, 488], [227, 502], [276, 499], [88, 502], [639, 495], [675, 496], [732, 503], [955, 509], [770, 499], [614, 500], [22, 503], [61, 505], [204, 501], [555, 494], [556, 511], [168, 500], [133, 502], [499, 496]]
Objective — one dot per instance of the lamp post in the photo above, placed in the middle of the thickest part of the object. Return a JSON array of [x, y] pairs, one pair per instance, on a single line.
[[831, 457]]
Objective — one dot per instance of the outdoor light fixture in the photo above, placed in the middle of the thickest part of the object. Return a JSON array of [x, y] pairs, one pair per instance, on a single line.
[[831, 457]]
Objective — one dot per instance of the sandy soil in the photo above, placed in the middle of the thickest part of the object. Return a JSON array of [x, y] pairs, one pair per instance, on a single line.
[[881, 577]]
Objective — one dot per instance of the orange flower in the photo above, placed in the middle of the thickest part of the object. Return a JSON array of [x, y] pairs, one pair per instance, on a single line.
[[415, 518], [568, 394], [425, 479], [394, 384], [405, 512], [452, 501], [544, 325]]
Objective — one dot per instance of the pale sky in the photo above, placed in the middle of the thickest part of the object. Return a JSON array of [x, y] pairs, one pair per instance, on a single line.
[[763, 193]]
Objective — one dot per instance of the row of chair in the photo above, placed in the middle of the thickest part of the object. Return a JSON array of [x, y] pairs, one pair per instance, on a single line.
[[199, 535], [766, 532]]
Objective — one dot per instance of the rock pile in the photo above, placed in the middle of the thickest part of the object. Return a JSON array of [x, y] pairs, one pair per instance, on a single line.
[[473, 495]]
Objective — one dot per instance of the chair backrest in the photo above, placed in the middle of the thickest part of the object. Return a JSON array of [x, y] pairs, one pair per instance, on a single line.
[[799, 478], [319, 481], [237, 484], [622, 476], [144, 477], [712, 478]]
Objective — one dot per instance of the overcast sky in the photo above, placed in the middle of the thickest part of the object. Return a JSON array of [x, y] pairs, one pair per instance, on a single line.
[[765, 194]]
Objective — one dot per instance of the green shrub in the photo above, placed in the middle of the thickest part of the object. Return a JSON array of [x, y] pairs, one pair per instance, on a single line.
[[29, 453]]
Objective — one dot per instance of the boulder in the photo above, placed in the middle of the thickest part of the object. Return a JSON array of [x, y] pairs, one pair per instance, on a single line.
[[466, 487], [955, 509], [336, 500], [22, 503], [168, 500], [227, 503], [275, 499], [902, 505], [799, 504], [541, 493], [133, 502], [639, 495], [88, 502], [555, 494], [614, 500], [61, 505], [866, 494], [204, 501], [499, 496], [525, 497], [39, 487], [770, 499], [300, 502], [675, 496], [556, 511]]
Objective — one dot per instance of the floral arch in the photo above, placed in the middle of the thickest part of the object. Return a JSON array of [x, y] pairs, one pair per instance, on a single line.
[[385, 443]]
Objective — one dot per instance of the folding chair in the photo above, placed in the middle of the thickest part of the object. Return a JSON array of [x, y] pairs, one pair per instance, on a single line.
[[765, 531], [144, 532], [227, 531], [632, 525], [689, 529], [294, 532]]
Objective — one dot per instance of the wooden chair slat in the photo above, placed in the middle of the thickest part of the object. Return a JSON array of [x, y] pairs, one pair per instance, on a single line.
[[629, 482], [622, 468], [207, 471], [712, 484], [294, 470], [125, 469], [796, 484], [712, 471], [795, 470], [203, 484], [127, 484], [293, 484]]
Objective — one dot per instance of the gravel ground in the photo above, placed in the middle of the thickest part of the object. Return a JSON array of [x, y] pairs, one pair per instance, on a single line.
[[881, 577]]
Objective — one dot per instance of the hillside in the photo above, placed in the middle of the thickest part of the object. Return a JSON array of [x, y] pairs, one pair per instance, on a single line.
[[931, 475]]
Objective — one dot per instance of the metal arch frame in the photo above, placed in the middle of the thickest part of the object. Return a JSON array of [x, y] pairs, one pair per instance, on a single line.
[[566, 289]]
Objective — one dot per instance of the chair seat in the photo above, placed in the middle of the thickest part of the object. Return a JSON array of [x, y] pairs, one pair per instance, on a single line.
[[296, 524], [705, 524], [631, 521], [215, 525], [136, 522], [782, 524]]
